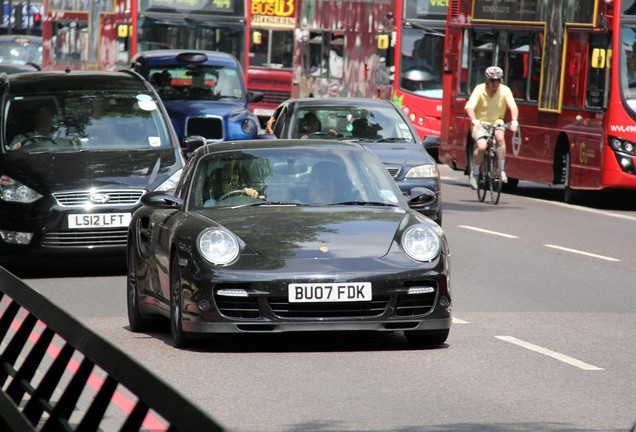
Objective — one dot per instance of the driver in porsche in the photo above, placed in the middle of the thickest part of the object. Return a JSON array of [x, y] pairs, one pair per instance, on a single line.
[[228, 181]]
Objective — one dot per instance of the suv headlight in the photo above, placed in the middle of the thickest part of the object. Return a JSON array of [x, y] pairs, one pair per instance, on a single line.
[[13, 191]]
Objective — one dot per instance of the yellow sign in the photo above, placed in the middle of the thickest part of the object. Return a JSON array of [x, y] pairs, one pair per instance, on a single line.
[[277, 8], [122, 31]]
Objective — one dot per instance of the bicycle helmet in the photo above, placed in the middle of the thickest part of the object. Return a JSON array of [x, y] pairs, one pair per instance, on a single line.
[[494, 73]]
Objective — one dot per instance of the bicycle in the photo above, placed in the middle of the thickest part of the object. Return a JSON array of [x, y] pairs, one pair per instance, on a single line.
[[489, 180]]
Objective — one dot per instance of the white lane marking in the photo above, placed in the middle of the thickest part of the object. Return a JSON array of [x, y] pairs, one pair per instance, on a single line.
[[558, 356], [586, 209], [575, 251], [459, 321], [487, 232]]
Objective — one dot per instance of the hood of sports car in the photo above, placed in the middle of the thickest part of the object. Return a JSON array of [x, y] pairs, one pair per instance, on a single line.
[[314, 232]]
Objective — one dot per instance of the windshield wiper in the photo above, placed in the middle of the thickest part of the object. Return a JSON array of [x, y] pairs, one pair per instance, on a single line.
[[268, 203]]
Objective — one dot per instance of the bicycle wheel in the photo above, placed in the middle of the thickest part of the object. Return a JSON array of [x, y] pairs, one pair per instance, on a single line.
[[494, 180], [482, 182]]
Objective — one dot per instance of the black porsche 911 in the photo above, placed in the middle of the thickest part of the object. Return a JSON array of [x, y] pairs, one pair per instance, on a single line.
[[287, 235]]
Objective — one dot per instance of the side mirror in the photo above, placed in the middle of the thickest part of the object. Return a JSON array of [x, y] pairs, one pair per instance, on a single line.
[[161, 200], [255, 96], [421, 197], [191, 143]]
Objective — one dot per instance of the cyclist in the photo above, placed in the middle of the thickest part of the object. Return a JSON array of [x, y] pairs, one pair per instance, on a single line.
[[487, 105]]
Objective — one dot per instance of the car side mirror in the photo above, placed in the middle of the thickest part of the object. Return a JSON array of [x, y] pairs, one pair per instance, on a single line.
[[191, 143], [161, 199], [255, 96], [421, 197]]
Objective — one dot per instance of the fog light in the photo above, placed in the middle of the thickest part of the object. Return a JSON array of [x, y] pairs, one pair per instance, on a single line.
[[232, 292], [204, 305], [626, 163], [420, 290], [444, 301], [15, 237]]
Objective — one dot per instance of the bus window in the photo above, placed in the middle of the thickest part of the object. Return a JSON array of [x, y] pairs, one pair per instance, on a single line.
[[336, 49], [271, 49], [535, 66], [70, 41], [597, 78], [482, 56], [316, 65], [325, 55], [421, 70], [518, 64]]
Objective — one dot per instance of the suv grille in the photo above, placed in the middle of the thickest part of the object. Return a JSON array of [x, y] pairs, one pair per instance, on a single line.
[[92, 239], [113, 198], [211, 128]]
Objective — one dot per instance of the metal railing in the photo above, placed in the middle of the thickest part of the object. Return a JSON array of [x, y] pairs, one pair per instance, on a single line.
[[57, 375]]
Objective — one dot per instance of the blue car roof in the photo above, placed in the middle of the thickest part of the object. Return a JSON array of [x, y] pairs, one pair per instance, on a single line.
[[164, 57]]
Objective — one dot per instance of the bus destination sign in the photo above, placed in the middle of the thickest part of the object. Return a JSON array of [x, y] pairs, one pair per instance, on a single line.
[[573, 11], [202, 5], [273, 13]]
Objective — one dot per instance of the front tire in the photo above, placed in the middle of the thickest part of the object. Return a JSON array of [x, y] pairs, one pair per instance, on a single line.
[[176, 305]]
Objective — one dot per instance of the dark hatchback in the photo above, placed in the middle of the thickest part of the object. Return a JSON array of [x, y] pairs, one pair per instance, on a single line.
[[203, 91], [69, 187], [377, 124]]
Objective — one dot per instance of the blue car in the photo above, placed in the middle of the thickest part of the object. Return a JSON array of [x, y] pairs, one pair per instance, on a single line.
[[203, 91]]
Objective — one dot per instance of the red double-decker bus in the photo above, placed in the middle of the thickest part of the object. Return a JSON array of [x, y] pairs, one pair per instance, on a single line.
[[85, 34], [419, 46], [321, 48], [569, 65]]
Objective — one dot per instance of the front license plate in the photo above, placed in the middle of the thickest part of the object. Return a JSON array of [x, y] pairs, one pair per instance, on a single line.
[[99, 220], [345, 292]]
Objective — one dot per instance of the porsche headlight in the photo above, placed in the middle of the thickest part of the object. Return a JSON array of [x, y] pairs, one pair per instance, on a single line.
[[423, 171], [169, 184], [421, 243], [218, 246], [13, 191], [248, 126]]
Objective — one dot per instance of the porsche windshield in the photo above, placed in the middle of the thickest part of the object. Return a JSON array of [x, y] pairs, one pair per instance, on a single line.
[[292, 176], [83, 121]]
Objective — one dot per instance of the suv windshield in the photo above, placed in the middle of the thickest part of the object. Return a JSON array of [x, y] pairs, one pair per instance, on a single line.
[[197, 82], [83, 121]]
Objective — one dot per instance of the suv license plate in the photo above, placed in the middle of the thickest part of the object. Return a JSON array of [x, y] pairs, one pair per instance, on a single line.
[[98, 220]]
